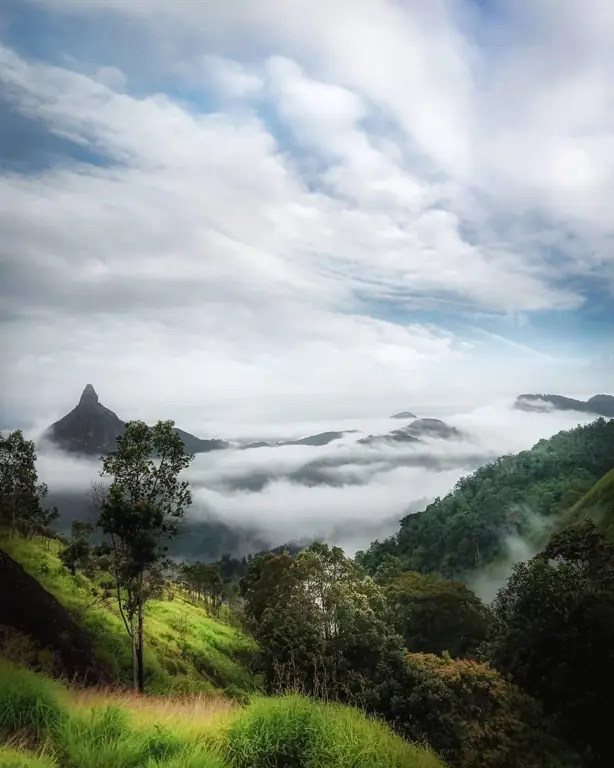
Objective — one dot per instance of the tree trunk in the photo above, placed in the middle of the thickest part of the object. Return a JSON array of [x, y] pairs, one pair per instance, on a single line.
[[141, 674], [135, 679]]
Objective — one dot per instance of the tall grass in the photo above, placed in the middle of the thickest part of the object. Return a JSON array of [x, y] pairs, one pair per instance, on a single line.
[[30, 705], [97, 729]]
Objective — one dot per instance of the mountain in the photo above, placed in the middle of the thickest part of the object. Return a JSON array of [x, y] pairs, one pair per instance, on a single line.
[[516, 497], [89, 428], [414, 431], [92, 429], [322, 438], [432, 428], [600, 405], [404, 415]]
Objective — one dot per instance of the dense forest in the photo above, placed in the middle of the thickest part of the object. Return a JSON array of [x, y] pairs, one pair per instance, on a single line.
[[521, 494], [519, 683]]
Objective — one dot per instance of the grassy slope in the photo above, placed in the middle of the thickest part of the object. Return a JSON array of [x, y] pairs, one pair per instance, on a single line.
[[185, 649], [76, 729], [598, 504]]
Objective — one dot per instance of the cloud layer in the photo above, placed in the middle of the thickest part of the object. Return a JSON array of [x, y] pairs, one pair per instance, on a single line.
[[305, 210], [346, 493]]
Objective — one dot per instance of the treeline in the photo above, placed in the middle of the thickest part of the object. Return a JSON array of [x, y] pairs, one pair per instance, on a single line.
[[466, 529], [521, 684]]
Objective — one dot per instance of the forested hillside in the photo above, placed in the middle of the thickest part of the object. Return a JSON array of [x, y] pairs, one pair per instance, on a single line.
[[466, 529]]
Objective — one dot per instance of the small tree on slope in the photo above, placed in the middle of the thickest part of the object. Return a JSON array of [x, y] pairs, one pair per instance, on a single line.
[[138, 514]]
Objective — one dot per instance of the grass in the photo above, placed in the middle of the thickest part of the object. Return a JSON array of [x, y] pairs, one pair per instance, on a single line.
[[186, 651], [45, 725], [598, 504]]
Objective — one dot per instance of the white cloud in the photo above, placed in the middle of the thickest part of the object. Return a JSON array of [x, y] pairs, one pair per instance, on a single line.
[[367, 159]]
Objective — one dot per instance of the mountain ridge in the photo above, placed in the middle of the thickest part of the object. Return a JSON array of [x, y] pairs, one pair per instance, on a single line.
[[600, 405]]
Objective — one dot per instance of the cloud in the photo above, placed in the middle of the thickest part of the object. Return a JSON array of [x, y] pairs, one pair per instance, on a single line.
[[346, 493], [303, 208]]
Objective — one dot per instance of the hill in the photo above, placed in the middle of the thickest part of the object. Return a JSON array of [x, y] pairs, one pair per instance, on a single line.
[[598, 504], [412, 433], [92, 429], [600, 405], [185, 648], [516, 494]]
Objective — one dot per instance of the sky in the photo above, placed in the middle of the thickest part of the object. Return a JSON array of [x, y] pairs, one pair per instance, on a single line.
[[293, 211]]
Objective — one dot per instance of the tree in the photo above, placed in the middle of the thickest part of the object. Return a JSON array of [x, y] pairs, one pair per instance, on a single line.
[[554, 634], [321, 624], [435, 614], [21, 494], [138, 513], [477, 718], [204, 581]]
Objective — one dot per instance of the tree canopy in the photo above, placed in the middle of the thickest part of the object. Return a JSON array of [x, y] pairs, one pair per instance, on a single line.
[[554, 634], [466, 529]]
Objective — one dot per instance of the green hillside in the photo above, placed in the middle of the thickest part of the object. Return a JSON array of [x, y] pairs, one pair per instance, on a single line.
[[598, 504], [186, 650], [44, 725], [521, 494]]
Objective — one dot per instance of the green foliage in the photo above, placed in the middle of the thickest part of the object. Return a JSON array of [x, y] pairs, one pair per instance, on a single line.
[[293, 732], [186, 651], [289, 731], [137, 513], [29, 704], [19, 758], [465, 530], [320, 623], [597, 504], [495, 725], [554, 634], [435, 615], [21, 494]]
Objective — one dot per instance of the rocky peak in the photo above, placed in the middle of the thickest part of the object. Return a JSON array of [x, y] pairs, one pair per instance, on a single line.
[[89, 396]]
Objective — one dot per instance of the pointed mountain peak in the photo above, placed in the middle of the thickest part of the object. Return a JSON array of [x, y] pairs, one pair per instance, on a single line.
[[89, 396]]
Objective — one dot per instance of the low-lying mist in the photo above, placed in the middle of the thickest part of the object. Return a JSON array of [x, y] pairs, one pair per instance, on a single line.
[[344, 492]]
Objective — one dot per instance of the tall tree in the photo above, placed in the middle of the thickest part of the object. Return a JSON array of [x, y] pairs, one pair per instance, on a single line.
[[435, 614], [139, 513], [21, 494], [554, 635]]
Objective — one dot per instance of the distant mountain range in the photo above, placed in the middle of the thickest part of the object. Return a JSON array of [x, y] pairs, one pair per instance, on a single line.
[[92, 429], [600, 405], [322, 438]]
